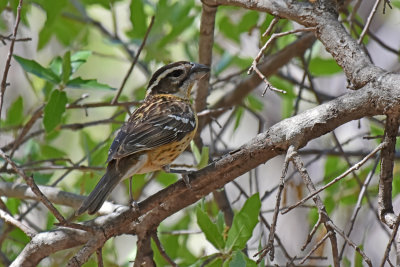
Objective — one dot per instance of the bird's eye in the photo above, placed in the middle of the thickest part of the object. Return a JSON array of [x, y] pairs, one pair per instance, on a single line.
[[176, 73]]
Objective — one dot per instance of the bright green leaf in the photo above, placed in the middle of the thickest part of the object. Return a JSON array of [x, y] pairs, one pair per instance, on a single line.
[[54, 110], [243, 223], [35, 68], [209, 229], [66, 67], [89, 84], [15, 113], [138, 18], [203, 158], [320, 66], [358, 259], [166, 179], [13, 204]]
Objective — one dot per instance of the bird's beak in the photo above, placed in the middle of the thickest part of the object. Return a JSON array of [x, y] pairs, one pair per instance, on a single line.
[[200, 69]]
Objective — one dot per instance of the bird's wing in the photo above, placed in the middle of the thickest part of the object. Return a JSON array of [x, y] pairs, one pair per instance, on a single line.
[[153, 125]]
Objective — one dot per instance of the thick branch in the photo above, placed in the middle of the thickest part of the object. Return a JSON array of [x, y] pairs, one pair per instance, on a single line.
[[297, 130]]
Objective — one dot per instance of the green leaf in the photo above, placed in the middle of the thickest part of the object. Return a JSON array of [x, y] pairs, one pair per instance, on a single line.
[[195, 151], [243, 223], [79, 58], [35, 68], [56, 65], [66, 67], [203, 158], [358, 259], [238, 117], [220, 222], [320, 66], [209, 229], [15, 113], [237, 260], [13, 204], [138, 18], [89, 84], [166, 179], [54, 110], [254, 103], [48, 151], [3, 4]]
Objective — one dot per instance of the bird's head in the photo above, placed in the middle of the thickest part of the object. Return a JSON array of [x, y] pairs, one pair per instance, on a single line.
[[177, 78]]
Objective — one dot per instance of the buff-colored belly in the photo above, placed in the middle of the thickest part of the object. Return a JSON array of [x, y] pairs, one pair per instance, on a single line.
[[165, 154]]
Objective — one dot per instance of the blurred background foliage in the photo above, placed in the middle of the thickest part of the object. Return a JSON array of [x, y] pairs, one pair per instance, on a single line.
[[79, 54]]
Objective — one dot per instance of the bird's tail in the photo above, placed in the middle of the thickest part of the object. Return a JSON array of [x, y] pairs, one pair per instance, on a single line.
[[100, 193]]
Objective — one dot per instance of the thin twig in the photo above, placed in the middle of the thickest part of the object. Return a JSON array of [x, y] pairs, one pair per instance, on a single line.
[[24, 228], [162, 251], [4, 83], [369, 20], [270, 26], [29, 180], [316, 247], [115, 99], [270, 244], [355, 167], [311, 234], [99, 256], [103, 104], [298, 163], [351, 243], [389, 245], [261, 52], [359, 202]]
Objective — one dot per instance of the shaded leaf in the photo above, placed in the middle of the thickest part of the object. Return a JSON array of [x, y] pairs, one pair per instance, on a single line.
[[138, 19], [15, 113], [89, 84], [66, 67], [54, 110], [238, 117], [56, 65], [79, 58], [209, 229], [237, 260]]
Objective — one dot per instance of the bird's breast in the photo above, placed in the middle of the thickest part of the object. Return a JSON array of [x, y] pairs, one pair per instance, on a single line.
[[165, 154]]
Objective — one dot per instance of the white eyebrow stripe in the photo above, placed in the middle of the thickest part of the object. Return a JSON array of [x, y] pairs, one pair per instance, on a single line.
[[162, 76]]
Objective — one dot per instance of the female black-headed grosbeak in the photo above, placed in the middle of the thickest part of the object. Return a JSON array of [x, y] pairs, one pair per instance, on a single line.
[[156, 132]]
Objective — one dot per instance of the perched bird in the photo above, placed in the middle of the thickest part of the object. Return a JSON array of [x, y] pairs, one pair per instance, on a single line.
[[156, 133]]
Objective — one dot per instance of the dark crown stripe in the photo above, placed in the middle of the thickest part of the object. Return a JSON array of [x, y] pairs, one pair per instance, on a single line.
[[155, 78]]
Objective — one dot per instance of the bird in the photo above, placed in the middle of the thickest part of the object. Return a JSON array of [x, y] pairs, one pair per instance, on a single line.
[[156, 133]]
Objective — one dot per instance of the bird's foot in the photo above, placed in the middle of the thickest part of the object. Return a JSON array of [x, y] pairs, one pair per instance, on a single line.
[[184, 173], [134, 205]]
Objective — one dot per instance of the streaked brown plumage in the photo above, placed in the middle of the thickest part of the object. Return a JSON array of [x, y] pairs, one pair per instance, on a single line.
[[156, 133]]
